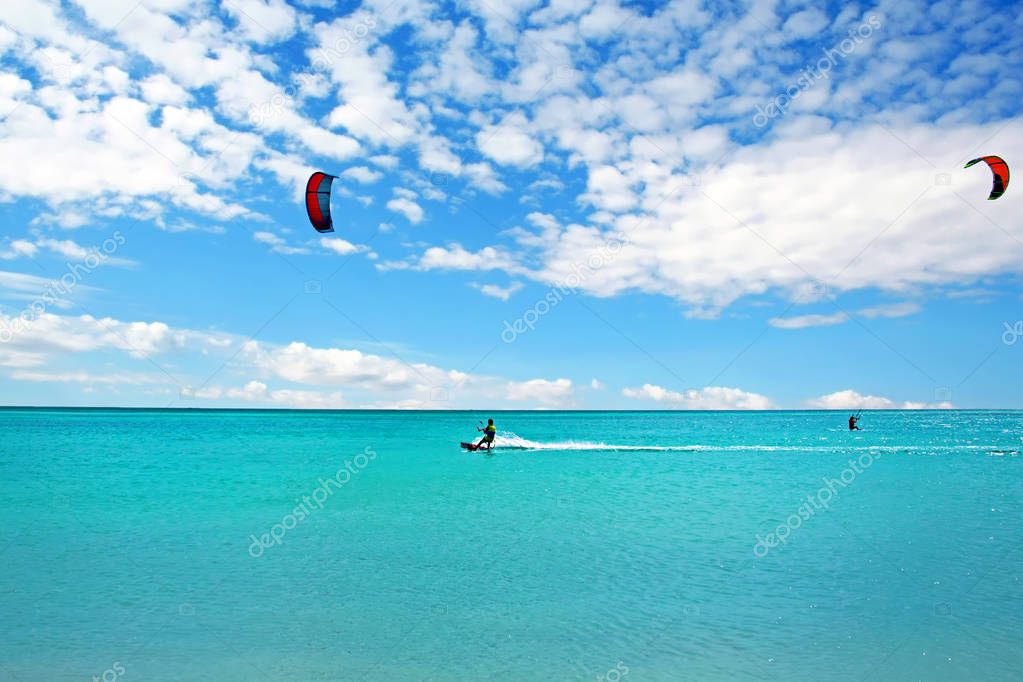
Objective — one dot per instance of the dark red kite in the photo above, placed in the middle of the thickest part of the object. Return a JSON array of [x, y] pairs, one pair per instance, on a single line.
[[999, 169], [317, 201]]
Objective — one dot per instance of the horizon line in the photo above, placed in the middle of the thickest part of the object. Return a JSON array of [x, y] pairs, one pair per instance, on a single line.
[[494, 410]]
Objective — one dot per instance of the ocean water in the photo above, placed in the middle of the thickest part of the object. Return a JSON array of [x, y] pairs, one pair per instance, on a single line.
[[239, 545]]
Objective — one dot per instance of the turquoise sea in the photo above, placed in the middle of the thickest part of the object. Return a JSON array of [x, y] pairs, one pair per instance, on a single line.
[[246, 545]]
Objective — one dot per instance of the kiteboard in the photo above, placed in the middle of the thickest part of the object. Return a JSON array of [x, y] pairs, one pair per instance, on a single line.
[[469, 446]]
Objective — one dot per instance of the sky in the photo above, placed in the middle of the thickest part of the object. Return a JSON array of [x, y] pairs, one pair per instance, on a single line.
[[580, 204]]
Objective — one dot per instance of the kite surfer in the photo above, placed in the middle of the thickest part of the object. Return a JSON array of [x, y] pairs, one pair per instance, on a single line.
[[489, 433], [854, 421]]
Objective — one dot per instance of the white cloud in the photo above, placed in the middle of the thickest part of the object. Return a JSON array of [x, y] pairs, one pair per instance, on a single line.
[[342, 247], [362, 174], [805, 24], [80, 377], [388, 161], [709, 398], [851, 400], [71, 218], [509, 142], [68, 249], [421, 384], [708, 244], [38, 20], [635, 129], [412, 211], [263, 21], [117, 152], [48, 333], [259, 392], [482, 176], [83, 116], [278, 244], [160, 89], [501, 20], [327, 143], [460, 71], [605, 18], [548, 183], [372, 108], [609, 189], [891, 310], [19, 248], [33, 349], [499, 292], [7, 38], [22, 282], [65, 248], [304, 364], [457, 257], [804, 321], [39, 293], [551, 393]]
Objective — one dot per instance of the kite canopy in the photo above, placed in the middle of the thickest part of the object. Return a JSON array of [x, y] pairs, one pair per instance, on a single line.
[[999, 169], [317, 201]]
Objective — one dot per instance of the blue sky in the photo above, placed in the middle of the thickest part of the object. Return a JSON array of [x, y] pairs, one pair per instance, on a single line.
[[565, 204]]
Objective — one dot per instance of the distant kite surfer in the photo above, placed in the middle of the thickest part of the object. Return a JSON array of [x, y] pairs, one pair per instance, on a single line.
[[854, 422]]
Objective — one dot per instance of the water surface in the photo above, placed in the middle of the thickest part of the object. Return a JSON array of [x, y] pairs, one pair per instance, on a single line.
[[171, 544]]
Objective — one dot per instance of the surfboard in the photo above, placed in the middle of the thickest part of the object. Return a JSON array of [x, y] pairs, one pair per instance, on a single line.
[[469, 446]]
